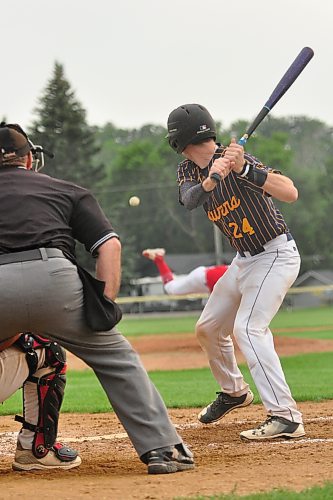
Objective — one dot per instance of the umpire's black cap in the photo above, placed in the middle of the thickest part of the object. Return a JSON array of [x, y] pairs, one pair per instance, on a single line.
[[14, 142]]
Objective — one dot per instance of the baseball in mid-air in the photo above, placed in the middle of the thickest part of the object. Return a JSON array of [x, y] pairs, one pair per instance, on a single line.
[[134, 201]]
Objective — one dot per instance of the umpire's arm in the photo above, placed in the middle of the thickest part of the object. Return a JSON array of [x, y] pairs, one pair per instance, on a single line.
[[108, 266]]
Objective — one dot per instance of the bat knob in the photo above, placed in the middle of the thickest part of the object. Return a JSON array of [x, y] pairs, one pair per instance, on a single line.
[[216, 177]]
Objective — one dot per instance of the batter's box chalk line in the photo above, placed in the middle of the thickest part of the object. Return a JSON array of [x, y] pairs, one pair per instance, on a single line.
[[8, 439], [292, 441]]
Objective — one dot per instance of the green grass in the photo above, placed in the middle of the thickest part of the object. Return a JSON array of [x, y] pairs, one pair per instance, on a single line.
[[136, 327], [194, 388], [315, 493], [320, 316], [83, 394], [320, 334], [132, 326], [307, 375]]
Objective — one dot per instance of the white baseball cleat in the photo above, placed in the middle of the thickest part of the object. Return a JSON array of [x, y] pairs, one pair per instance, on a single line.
[[152, 253], [274, 427]]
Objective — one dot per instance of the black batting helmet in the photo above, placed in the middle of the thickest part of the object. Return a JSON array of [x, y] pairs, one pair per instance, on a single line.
[[189, 124]]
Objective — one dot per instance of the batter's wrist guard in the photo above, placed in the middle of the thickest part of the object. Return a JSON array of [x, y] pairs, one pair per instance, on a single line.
[[50, 390], [254, 174]]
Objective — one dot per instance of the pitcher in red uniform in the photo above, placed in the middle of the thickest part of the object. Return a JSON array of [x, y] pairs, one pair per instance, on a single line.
[[200, 280]]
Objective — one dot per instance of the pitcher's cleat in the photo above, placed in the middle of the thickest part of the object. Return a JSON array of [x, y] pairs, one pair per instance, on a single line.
[[152, 253]]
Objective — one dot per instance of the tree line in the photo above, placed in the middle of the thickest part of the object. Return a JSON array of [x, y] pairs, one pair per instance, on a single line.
[[118, 163]]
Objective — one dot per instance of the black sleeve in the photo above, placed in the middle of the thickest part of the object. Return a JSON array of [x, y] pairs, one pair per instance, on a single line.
[[89, 224], [192, 195]]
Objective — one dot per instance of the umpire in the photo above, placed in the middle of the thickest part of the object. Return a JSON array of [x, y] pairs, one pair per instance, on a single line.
[[43, 290]]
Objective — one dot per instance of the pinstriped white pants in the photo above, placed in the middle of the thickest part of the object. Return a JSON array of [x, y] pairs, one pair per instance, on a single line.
[[243, 303]]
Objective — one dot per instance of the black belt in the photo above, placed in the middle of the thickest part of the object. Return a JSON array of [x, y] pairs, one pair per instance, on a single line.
[[26, 255], [256, 251]]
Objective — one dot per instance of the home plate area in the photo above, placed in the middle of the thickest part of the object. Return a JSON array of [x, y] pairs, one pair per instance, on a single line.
[[110, 467]]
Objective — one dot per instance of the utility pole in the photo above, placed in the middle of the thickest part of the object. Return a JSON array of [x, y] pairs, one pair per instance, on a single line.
[[218, 245]]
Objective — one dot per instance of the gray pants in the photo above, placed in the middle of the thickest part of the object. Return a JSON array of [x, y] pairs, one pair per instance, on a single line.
[[45, 297]]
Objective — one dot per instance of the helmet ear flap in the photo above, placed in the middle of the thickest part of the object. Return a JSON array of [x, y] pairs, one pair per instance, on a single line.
[[174, 145]]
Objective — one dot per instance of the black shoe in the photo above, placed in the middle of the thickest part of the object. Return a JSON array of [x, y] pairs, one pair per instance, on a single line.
[[223, 404], [168, 459]]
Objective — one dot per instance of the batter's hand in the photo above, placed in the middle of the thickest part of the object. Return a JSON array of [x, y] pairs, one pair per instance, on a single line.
[[221, 166], [235, 154]]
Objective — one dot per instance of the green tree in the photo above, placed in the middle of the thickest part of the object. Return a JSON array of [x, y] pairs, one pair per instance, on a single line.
[[325, 199], [304, 154], [143, 164], [311, 144], [309, 139], [140, 162], [146, 167], [60, 126]]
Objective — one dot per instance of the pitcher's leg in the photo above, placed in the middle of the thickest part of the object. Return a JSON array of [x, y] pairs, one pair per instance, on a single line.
[[194, 282]]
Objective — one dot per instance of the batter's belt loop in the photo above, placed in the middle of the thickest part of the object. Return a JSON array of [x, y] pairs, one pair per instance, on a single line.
[[43, 253]]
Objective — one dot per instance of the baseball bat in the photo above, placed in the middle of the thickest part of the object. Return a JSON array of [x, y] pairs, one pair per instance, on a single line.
[[284, 84]]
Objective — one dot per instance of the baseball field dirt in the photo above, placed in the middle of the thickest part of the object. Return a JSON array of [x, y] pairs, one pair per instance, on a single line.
[[111, 470]]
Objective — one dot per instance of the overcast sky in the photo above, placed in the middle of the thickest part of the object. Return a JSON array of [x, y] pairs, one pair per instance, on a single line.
[[130, 62]]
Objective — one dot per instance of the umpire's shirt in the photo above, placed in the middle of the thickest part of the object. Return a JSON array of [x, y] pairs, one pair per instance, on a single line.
[[41, 211]]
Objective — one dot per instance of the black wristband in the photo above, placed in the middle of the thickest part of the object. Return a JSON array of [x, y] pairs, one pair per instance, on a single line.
[[255, 175]]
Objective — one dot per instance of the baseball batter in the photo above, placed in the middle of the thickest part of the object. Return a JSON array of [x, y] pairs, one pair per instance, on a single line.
[[266, 264]]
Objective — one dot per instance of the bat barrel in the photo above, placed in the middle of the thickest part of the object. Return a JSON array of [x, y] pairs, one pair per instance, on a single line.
[[296, 68]]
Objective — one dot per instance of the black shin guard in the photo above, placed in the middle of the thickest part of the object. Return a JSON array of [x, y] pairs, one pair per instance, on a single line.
[[50, 390]]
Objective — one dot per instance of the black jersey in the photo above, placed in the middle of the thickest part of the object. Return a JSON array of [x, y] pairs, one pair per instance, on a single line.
[[242, 211], [40, 211]]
